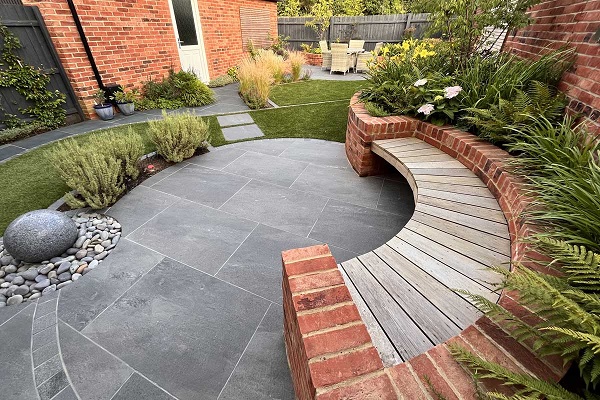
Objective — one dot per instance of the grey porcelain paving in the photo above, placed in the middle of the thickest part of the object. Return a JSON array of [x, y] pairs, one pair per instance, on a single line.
[[242, 132], [235, 119], [8, 151], [202, 185], [263, 371], [15, 370], [195, 235], [44, 138], [256, 265], [356, 228], [278, 207], [200, 328], [179, 308], [276, 170], [138, 387], [81, 303], [340, 184], [95, 373], [139, 206]]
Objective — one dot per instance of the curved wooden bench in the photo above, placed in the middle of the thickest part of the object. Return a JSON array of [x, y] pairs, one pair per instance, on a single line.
[[384, 329]]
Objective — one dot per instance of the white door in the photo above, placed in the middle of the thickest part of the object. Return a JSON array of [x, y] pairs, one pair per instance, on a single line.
[[188, 33]]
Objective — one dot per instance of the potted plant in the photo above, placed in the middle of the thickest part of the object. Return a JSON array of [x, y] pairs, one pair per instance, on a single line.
[[125, 101], [103, 109]]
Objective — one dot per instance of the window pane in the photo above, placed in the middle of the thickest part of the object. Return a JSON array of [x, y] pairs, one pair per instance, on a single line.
[[184, 16]]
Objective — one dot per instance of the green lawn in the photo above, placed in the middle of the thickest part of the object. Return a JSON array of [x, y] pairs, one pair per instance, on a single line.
[[314, 91], [28, 182]]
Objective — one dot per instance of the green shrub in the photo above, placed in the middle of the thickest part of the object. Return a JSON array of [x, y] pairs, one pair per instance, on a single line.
[[255, 83], [179, 89], [375, 110], [495, 123], [222, 80], [178, 136], [98, 169], [20, 132]]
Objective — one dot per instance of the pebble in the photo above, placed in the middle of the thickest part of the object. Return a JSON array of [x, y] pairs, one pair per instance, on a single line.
[[98, 249], [5, 260], [46, 268], [2, 273], [49, 289], [93, 264], [21, 290], [56, 260], [63, 284], [115, 240], [52, 274], [80, 240], [54, 281], [106, 243], [87, 259], [30, 274], [81, 268], [19, 280], [14, 300], [76, 276], [5, 285], [65, 276], [72, 251], [10, 277], [63, 267], [10, 269], [35, 296], [42, 284], [104, 235], [101, 256], [81, 254], [116, 225]]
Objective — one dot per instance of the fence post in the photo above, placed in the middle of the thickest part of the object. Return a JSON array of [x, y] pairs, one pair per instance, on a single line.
[[408, 21], [331, 22]]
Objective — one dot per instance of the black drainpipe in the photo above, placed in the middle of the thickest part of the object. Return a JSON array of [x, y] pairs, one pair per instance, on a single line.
[[86, 45]]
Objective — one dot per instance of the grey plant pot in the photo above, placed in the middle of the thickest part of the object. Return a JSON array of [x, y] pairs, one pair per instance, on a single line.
[[126, 108], [105, 112]]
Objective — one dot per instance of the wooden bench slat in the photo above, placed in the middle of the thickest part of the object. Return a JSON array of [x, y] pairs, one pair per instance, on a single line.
[[458, 309], [486, 240], [434, 164], [442, 172], [481, 224], [385, 348], [392, 318], [437, 326], [453, 257], [485, 213], [415, 158], [440, 271], [452, 187], [483, 202], [386, 143], [485, 256], [418, 151], [459, 180]]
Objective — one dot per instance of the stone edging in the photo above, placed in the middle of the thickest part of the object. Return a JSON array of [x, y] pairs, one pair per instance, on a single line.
[[330, 353]]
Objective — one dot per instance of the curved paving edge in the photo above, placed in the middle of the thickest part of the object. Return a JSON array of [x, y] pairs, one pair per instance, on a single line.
[[330, 352]]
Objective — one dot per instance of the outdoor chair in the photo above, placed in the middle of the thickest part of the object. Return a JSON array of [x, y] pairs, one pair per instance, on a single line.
[[340, 60], [361, 61], [356, 44], [326, 54]]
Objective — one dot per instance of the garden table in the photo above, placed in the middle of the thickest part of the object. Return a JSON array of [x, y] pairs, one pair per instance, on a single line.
[[354, 52]]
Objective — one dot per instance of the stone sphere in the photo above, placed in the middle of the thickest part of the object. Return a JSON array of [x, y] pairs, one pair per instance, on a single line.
[[39, 235]]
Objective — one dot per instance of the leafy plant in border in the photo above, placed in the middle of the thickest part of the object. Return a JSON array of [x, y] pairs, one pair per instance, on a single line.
[[177, 137], [31, 83]]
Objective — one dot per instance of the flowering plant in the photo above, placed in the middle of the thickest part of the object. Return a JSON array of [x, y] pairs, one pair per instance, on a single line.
[[435, 99]]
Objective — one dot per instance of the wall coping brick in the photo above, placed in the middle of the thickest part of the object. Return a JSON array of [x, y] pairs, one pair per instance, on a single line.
[[330, 353]]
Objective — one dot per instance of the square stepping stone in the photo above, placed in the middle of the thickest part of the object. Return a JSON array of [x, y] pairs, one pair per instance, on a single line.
[[242, 132], [235, 119]]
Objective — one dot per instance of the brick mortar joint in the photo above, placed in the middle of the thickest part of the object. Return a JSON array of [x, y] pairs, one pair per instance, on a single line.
[[335, 354], [333, 329]]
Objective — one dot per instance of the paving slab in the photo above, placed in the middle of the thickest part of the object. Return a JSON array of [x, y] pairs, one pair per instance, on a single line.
[[242, 132], [200, 236], [276, 170], [263, 371], [235, 119], [217, 158], [138, 387], [185, 335], [316, 152], [273, 147], [8, 151]]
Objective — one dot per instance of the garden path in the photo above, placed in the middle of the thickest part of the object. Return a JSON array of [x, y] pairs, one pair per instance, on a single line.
[[188, 305]]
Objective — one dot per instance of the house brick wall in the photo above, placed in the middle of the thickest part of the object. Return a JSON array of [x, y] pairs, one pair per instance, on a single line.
[[222, 31], [133, 40], [571, 22]]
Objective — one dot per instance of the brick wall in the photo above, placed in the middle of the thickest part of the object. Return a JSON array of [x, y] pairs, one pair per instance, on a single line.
[[222, 31], [133, 40], [573, 22]]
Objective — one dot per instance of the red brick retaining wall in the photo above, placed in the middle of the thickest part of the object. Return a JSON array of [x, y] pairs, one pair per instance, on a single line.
[[574, 23], [331, 357], [313, 59]]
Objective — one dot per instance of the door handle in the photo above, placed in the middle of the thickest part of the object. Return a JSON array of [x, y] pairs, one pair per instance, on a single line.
[[179, 43]]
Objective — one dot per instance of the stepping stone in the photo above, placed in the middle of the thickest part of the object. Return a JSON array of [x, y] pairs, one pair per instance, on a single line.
[[235, 119], [242, 132]]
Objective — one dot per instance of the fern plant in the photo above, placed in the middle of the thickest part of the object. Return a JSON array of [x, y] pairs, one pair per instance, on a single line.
[[569, 308], [495, 123]]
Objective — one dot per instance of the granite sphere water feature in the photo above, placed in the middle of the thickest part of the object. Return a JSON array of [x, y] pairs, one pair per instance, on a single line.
[[40, 235]]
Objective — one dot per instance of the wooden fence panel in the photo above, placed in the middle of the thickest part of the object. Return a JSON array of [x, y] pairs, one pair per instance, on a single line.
[[27, 24], [370, 28]]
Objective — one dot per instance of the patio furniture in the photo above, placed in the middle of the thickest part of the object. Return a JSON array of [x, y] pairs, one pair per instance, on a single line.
[[378, 47], [362, 60], [326, 54], [340, 60], [356, 44]]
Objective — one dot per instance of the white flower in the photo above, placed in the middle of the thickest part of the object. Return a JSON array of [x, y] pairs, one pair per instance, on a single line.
[[420, 82], [452, 91], [426, 109]]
